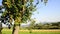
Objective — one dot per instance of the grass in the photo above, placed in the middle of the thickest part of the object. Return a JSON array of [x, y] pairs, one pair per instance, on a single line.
[[7, 31]]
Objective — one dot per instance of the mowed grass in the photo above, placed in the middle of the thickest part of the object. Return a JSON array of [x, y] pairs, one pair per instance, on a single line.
[[7, 31]]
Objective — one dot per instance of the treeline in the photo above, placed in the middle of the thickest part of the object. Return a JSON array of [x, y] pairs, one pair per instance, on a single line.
[[53, 25]]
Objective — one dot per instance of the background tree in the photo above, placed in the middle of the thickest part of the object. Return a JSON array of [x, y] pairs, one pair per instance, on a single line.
[[31, 25], [19, 10]]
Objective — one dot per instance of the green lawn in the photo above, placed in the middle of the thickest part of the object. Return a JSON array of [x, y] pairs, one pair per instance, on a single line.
[[9, 32], [33, 32]]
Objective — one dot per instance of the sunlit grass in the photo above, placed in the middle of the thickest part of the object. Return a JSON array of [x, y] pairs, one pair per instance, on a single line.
[[9, 31]]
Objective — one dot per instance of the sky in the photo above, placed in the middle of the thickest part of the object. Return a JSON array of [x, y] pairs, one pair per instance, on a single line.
[[48, 13]]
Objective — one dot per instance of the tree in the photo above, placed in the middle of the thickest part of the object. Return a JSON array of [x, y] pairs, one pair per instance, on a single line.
[[19, 10], [1, 7], [0, 27], [31, 25]]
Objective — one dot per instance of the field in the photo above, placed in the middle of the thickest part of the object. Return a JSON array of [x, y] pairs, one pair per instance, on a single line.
[[8, 31]]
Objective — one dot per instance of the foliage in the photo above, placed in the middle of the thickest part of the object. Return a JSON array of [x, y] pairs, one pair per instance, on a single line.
[[53, 25], [19, 10]]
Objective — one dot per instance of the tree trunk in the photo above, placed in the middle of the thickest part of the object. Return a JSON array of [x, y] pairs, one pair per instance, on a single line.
[[15, 29], [0, 28]]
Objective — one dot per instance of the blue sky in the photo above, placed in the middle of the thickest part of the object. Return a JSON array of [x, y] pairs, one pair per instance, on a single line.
[[0, 2], [48, 13]]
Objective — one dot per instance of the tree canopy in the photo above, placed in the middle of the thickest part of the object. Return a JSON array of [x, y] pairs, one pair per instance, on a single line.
[[19, 10]]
